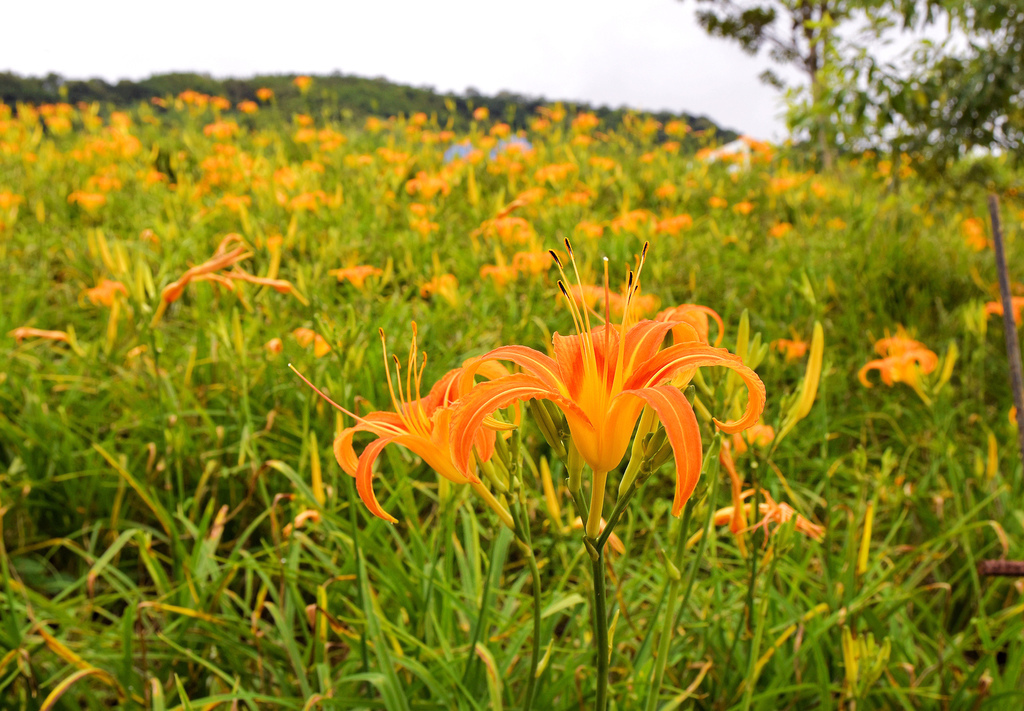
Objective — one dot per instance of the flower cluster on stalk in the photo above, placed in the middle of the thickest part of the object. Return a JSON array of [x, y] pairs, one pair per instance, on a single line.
[[599, 381]]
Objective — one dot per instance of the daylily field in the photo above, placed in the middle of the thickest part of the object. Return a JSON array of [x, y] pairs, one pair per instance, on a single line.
[[757, 467]]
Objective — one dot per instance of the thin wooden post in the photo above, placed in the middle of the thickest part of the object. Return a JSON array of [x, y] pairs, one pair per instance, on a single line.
[[1009, 325]]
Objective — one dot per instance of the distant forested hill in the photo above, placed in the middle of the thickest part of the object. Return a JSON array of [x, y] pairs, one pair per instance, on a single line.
[[354, 96]]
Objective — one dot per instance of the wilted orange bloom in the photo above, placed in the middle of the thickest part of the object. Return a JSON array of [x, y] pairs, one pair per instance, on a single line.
[[356, 275], [674, 225], [446, 286], [90, 202], [221, 259], [780, 230], [974, 234], [743, 208], [105, 292], [771, 513], [793, 349], [23, 332], [303, 83], [300, 521], [995, 308], [695, 317], [717, 202], [279, 285], [481, 113], [593, 230], [305, 336]]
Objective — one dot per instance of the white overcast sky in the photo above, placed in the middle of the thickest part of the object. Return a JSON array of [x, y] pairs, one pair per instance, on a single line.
[[647, 54]]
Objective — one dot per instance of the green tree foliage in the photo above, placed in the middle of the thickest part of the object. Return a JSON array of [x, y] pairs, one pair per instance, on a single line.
[[350, 96], [945, 100], [795, 33]]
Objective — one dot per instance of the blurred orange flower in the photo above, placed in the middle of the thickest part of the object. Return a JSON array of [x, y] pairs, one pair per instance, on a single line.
[[105, 292], [357, 276], [792, 349]]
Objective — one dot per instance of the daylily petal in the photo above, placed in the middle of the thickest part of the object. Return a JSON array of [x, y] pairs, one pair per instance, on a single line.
[[487, 397], [530, 360], [683, 432], [682, 356], [364, 478], [382, 424]]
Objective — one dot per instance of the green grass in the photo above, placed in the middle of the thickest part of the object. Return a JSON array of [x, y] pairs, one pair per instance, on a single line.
[[144, 494]]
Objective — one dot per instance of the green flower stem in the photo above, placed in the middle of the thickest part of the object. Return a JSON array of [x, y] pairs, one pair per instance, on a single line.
[[531, 684], [665, 639], [600, 628]]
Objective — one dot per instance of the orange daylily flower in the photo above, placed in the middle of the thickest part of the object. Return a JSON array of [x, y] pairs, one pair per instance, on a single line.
[[903, 361], [221, 259], [420, 424], [601, 379], [281, 286], [674, 225], [305, 336], [771, 512], [105, 292], [759, 435], [792, 349], [696, 317], [974, 234], [995, 308], [356, 275], [446, 286]]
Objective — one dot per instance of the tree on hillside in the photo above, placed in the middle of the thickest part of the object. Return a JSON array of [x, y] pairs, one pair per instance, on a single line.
[[805, 35], [944, 100]]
